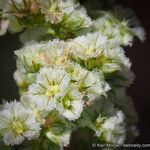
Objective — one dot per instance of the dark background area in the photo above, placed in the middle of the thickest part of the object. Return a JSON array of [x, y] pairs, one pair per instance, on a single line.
[[139, 55]]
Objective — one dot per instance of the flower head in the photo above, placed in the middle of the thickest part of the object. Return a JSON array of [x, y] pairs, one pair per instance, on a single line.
[[62, 140], [68, 19], [76, 72], [111, 129], [23, 80], [51, 84], [71, 105], [28, 57], [88, 46], [54, 11], [110, 125], [17, 123], [17, 11], [120, 24], [39, 112], [80, 19], [59, 134], [90, 84], [96, 51], [93, 85], [55, 53]]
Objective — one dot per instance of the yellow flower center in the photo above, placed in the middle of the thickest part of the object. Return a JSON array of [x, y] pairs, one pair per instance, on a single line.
[[67, 100], [67, 103], [100, 121], [61, 60], [74, 73], [18, 127], [102, 60], [52, 90], [37, 113], [90, 51]]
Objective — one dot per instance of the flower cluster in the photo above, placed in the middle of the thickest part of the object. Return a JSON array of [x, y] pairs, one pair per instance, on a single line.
[[69, 76], [121, 25], [78, 79], [57, 81], [59, 18]]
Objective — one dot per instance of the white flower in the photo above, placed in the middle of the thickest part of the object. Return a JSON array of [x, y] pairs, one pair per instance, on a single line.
[[51, 84], [59, 133], [39, 112], [71, 105], [88, 46], [55, 53], [67, 11], [93, 85], [114, 29], [80, 19], [67, 6], [62, 140], [96, 51], [51, 11], [112, 125], [23, 80], [111, 129], [76, 72], [17, 123], [55, 10], [120, 24], [28, 57], [12, 10], [65, 138], [117, 58]]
